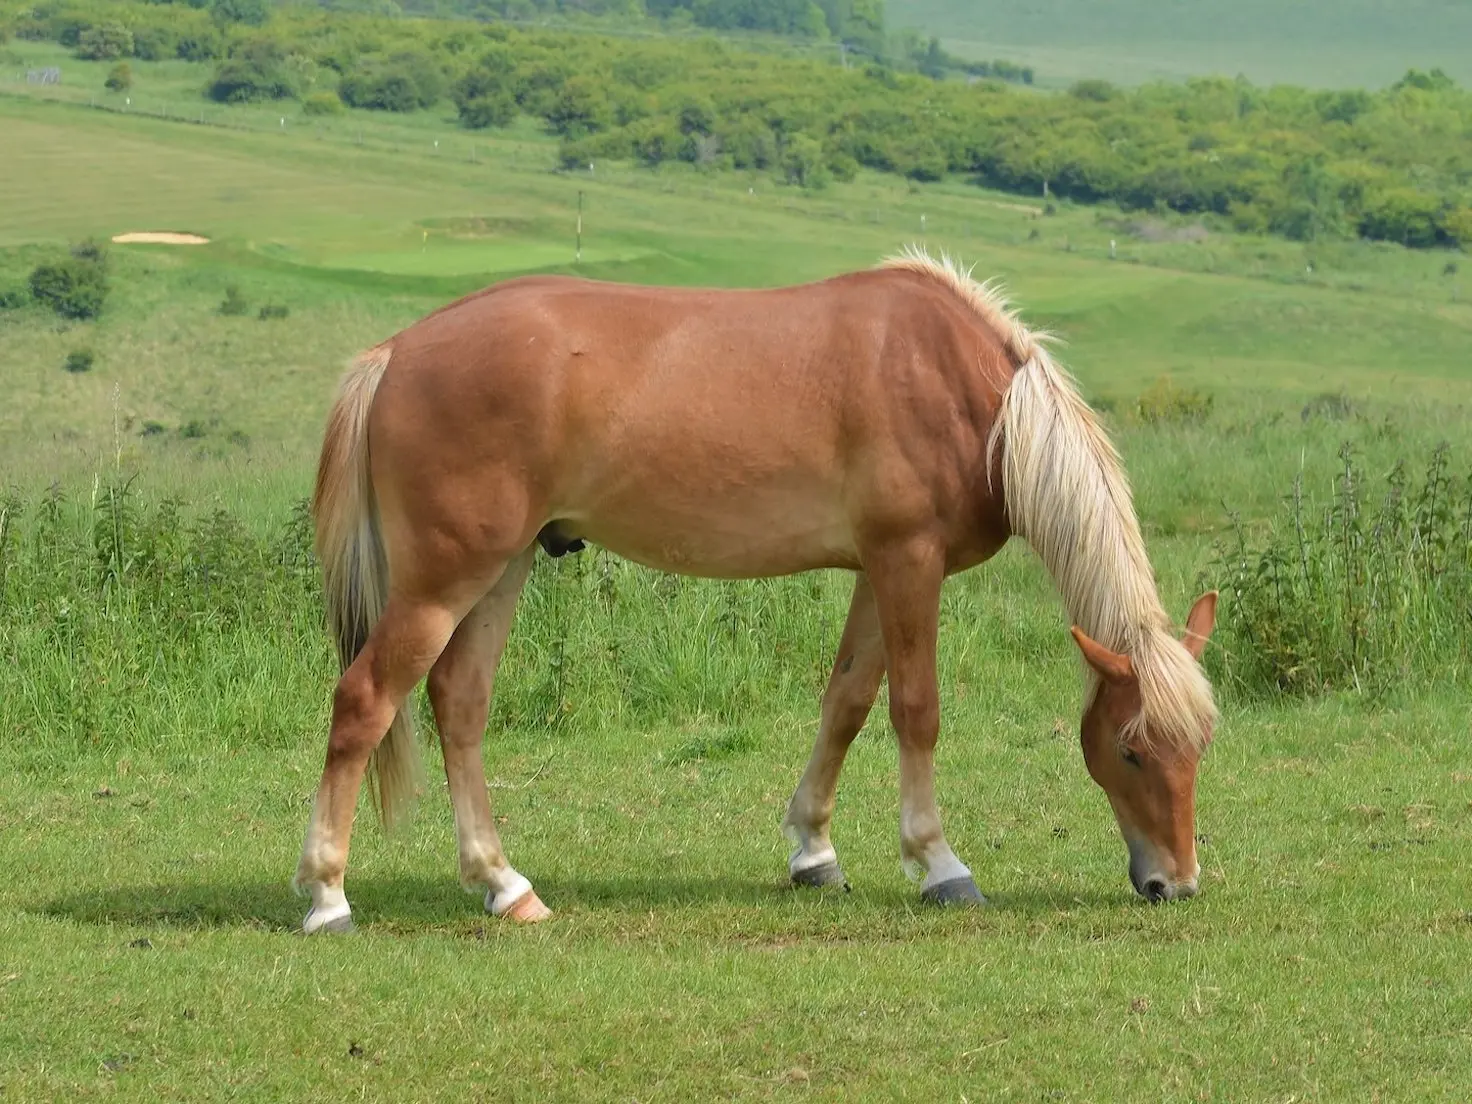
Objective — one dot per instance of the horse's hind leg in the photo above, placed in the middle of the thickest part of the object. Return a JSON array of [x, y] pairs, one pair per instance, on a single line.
[[405, 642], [858, 669], [460, 686]]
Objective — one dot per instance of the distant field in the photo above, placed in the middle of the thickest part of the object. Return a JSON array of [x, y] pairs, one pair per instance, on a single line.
[[1354, 43]]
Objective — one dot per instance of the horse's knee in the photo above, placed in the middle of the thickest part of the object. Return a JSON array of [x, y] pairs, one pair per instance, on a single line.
[[915, 716]]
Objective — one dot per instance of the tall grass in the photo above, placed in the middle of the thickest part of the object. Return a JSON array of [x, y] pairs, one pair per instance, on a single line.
[[1367, 589], [114, 610]]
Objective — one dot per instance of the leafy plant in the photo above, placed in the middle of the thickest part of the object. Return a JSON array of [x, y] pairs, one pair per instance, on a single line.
[[1337, 595]]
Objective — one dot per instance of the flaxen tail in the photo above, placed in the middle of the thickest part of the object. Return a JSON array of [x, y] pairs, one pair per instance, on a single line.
[[355, 569]]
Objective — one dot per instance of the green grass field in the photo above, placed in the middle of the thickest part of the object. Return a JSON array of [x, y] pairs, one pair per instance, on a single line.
[[166, 723], [1340, 44]]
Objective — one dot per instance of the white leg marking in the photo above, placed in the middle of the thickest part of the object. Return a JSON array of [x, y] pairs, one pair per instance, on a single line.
[[329, 904], [507, 888], [809, 851]]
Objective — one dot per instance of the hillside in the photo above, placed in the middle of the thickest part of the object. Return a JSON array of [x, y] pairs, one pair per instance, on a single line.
[[1321, 43]]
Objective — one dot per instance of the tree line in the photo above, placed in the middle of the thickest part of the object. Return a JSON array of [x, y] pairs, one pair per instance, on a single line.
[[1393, 165]]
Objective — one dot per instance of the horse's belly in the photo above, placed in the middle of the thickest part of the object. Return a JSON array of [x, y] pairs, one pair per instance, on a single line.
[[747, 536]]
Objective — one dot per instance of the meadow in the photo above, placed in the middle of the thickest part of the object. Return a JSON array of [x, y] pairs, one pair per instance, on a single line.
[[1359, 43], [165, 680]]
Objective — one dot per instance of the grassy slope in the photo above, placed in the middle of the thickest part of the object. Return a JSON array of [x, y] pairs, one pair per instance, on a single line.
[[1331, 43], [1325, 960]]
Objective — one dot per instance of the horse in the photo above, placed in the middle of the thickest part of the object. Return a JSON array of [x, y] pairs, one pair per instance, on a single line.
[[898, 422]]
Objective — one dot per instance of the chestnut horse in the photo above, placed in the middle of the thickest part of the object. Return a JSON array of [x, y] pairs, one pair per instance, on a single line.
[[897, 422]]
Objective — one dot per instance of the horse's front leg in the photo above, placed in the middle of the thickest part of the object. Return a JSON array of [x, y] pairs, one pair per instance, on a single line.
[[907, 581], [858, 670]]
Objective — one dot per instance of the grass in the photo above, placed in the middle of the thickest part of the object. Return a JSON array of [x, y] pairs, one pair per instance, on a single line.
[[164, 678], [1350, 44]]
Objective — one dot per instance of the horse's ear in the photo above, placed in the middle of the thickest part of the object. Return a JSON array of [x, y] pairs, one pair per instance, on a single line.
[[1199, 623], [1112, 666]]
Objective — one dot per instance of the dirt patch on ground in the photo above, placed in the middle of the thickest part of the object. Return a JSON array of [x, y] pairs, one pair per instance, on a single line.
[[159, 237]]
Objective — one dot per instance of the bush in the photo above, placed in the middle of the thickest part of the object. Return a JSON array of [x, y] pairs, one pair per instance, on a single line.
[[234, 304], [407, 81], [1165, 402], [273, 310], [200, 46], [79, 360], [322, 103], [250, 12], [486, 96], [119, 77], [258, 71], [105, 42], [155, 43], [13, 298], [73, 288]]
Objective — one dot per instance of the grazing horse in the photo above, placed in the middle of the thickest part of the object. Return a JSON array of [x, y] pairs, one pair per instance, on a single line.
[[898, 422]]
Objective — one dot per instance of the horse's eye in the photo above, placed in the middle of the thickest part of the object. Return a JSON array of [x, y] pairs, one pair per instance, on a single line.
[[1130, 757]]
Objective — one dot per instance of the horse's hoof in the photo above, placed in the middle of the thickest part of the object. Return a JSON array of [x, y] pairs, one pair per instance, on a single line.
[[340, 924], [957, 891], [821, 876], [527, 909]]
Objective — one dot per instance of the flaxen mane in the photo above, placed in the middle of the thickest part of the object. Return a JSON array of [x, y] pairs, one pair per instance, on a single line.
[[1067, 496]]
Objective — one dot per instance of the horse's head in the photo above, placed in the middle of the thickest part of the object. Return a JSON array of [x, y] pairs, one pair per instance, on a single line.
[[1150, 779]]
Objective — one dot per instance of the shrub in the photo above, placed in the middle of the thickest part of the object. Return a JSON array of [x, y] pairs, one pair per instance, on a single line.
[[234, 304], [200, 46], [79, 360], [273, 310], [322, 103], [258, 71], [156, 43], [1166, 401], [119, 77], [1332, 406], [406, 81], [13, 298], [250, 12], [105, 42], [486, 95], [73, 288]]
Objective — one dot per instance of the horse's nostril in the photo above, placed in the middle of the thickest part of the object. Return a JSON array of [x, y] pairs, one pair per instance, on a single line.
[[1155, 890]]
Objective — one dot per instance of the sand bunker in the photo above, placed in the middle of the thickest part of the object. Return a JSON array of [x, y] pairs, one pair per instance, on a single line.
[[159, 237]]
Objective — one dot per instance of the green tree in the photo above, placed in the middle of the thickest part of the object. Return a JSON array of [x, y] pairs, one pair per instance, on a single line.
[[105, 42], [119, 77], [257, 71], [579, 108], [252, 13], [803, 162]]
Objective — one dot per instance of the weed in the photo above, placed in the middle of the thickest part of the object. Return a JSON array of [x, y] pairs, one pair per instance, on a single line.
[[234, 303], [80, 360], [1167, 402], [1337, 596]]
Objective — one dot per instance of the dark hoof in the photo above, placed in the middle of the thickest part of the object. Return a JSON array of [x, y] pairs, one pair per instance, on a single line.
[[957, 891], [820, 877]]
